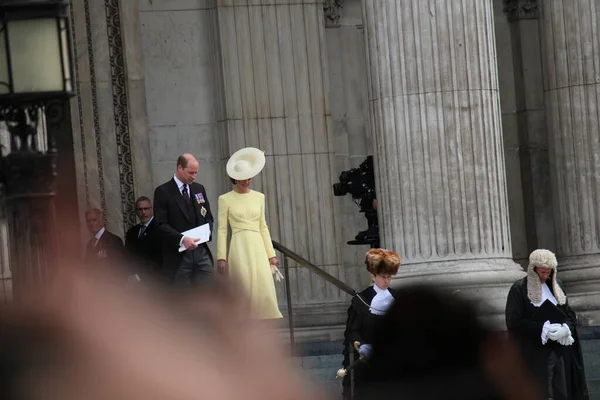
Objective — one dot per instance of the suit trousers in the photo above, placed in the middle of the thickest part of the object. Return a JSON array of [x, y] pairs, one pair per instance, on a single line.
[[557, 383], [196, 267]]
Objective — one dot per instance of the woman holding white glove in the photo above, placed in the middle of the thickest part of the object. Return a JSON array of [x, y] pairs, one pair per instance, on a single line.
[[551, 350], [251, 260]]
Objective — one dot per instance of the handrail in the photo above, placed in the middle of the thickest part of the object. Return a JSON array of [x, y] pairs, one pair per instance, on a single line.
[[313, 268], [287, 253]]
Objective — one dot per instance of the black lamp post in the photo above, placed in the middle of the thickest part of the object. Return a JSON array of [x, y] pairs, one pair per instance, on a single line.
[[35, 73]]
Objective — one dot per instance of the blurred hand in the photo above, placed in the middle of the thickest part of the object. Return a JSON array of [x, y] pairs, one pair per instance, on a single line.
[[86, 337], [507, 371]]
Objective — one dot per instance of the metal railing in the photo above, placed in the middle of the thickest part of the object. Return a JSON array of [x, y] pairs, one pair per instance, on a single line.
[[301, 261]]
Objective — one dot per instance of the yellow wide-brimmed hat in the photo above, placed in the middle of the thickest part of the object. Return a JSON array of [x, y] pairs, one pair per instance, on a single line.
[[245, 163]]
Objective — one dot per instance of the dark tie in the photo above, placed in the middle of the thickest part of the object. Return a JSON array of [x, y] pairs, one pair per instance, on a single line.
[[186, 195], [142, 229]]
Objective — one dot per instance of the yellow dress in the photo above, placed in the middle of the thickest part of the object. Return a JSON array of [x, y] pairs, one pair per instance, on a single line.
[[249, 250]]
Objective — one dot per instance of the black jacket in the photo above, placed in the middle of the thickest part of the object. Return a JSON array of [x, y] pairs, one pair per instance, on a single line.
[[361, 326], [144, 253], [109, 249], [527, 333], [172, 217]]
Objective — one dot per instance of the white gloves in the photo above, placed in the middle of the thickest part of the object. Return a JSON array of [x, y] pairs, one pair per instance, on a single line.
[[562, 332], [562, 335], [276, 274], [557, 332], [365, 350], [546, 329]]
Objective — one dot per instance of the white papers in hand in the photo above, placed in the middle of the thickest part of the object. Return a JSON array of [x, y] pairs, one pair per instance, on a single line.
[[202, 233]]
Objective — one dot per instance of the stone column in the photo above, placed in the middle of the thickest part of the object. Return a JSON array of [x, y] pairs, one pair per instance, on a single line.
[[435, 112], [276, 98], [569, 31]]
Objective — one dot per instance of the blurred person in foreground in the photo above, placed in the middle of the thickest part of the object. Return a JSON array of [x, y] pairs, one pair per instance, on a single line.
[[86, 338], [365, 310], [551, 350], [431, 346]]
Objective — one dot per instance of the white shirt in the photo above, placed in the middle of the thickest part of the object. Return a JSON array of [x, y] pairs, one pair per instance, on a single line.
[[98, 235], [382, 301], [146, 225], [546, 295], [180, 185]]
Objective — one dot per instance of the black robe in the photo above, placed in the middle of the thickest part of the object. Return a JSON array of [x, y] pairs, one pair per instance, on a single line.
[[527, 333], [361, 325]]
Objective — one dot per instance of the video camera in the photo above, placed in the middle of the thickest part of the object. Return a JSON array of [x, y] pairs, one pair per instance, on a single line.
[[360, 184]]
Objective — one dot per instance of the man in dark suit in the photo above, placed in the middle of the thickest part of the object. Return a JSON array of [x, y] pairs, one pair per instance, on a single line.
[[179, 205], [104, 247], [142, 242]]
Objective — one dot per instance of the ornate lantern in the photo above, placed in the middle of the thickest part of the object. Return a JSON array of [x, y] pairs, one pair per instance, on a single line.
[[35, 74]]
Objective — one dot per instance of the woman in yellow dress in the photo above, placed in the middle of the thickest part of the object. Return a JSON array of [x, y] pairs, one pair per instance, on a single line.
[[251, 261]]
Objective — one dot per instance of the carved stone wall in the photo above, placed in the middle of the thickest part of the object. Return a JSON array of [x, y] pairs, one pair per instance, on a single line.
[[521, 9], [108, 101], [332, 11]]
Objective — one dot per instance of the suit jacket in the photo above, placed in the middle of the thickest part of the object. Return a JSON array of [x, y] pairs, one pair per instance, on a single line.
[[109, 249], [361, 326], [172, 218], [144, 253]]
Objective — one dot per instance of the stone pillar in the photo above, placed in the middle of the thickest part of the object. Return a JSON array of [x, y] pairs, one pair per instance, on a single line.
[[276, 98], [569, 31], [435, 112]]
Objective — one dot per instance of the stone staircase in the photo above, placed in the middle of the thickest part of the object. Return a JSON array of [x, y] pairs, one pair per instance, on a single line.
[[590, 346], [319, 362]]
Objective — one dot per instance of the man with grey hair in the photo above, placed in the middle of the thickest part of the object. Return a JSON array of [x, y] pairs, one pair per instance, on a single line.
[[104, 247], [143, 243], [539, 318]]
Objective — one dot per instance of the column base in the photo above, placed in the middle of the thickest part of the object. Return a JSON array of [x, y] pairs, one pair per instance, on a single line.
[[486, 282], [581, 276]]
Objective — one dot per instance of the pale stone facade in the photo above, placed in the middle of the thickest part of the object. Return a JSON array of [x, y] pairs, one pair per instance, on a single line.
[[448, 96]]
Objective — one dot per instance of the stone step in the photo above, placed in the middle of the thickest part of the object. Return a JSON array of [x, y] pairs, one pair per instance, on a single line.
[[318, 362]]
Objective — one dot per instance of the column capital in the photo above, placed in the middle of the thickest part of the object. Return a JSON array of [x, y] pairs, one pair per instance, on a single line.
[[521, 9], [332, 11]]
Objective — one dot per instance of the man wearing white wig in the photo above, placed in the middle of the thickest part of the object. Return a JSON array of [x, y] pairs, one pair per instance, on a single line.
[[550, 348]]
